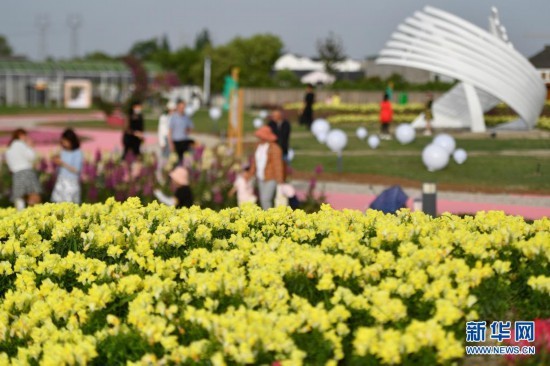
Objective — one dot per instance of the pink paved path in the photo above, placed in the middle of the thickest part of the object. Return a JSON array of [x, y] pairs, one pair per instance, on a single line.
[[362, 202]]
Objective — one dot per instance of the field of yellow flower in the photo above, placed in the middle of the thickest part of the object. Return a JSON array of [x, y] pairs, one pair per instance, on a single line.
[[119, 283]]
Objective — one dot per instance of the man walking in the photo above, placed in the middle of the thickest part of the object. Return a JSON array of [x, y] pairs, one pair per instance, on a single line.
[[281, 128], [179, 129]]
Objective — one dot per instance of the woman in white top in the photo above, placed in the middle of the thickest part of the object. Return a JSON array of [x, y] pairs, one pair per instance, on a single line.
[[67, 186], [20, 158], [164, 145], [267, 166]]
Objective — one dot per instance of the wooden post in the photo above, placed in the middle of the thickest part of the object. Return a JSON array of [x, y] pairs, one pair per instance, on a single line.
[[235, 122], [240, 113]]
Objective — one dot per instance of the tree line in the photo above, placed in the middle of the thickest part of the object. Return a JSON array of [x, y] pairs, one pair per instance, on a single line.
[[254, 55]]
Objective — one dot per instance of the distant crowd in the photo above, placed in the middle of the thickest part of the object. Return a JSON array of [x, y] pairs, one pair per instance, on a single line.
[[266, 166]]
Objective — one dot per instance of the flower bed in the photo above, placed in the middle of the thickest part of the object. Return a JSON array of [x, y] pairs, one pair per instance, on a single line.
[[403, 113], [117, 282]]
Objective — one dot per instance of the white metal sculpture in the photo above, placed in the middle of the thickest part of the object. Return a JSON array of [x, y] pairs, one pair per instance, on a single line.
[[490, 70]]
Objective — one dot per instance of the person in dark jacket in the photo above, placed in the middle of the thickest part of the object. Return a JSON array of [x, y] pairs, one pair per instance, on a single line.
[[281, 128], [306, 118], [133, 131]]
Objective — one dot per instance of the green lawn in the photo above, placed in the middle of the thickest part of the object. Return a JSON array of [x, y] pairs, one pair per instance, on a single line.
[[487, 170], [515, 173], [306, 142]]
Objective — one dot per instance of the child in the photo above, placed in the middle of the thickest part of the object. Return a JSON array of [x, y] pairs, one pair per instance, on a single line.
[[20, 158], [67, 185], [244, 188], [183, 197], [287, 191]]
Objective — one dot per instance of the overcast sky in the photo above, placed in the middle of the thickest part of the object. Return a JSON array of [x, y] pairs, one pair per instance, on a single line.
[[112, 26]]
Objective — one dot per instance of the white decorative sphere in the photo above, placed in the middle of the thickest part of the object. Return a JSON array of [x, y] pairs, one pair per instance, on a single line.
[[337, 140], [373, 141], [215, 113], [460, 156], [446, 141], [189, 110], [405, 133], [263, 114], [361, 133], [320, 126], [290, 154], [435, 157], [258, 122], [322, 137]]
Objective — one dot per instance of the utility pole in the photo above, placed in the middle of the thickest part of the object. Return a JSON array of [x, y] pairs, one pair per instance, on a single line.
[[206, 81], [43, 23], [74, 21]]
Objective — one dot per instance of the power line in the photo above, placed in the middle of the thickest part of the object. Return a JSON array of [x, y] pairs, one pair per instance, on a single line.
[[74, 21], [43, 23]]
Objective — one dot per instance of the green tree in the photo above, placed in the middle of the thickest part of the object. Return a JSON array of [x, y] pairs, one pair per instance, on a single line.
[[203, 40], [164, 44], [254, 56], [99, 56], [286, 78], [5, 48], [145, 50], [184, 62], [331, 51]]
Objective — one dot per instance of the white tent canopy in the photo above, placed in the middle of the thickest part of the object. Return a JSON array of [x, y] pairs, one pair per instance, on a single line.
[[317, 77], [297, 63], [348, 65], [292, 62]]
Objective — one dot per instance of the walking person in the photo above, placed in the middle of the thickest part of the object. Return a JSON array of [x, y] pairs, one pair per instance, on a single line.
[[133, 131], [386, 116], [267, 166], [306, 118], [20, 158], [164, 144], [428, 116], [179, 128], [281, 128], [67, 186]]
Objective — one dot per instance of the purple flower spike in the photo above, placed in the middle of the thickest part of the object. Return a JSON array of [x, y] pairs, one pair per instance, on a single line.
[[109, 182], [92, 172], [97, 157], [217, 197], [312, 184], [109, 165], [147, 189], [130, 158], [231, 176], [132, 190], [120, 195], [197, 156], [43, 167], [92, 193]]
